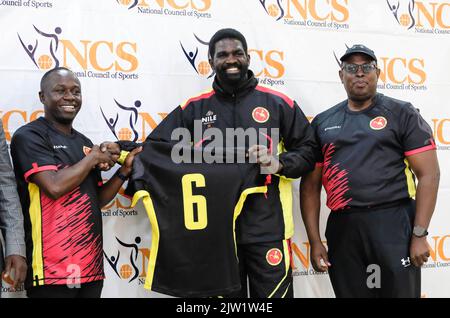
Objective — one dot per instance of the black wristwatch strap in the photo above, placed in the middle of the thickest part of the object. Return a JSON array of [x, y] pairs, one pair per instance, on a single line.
[[121, 176]]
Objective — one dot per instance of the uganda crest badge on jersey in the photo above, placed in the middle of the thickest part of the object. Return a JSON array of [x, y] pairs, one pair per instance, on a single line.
[[378, 123], [274, 256], [260, 115]]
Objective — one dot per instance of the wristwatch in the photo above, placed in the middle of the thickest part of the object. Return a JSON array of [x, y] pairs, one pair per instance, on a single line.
[[121, 176], [419, 231]]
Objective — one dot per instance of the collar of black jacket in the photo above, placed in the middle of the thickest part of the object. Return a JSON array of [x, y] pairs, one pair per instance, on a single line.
[[242, 89]]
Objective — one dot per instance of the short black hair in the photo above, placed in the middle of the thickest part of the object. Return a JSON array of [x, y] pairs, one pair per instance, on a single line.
[[227, 33], [45, 77]]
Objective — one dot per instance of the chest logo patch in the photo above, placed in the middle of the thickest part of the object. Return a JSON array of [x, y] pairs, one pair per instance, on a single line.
[[274, 256], [260, 115], [86, 150], [378, 123]]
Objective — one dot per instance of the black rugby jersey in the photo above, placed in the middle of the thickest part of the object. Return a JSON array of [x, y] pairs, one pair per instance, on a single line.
[[364, 153], [268, 217], [192, 210], [64, 236]]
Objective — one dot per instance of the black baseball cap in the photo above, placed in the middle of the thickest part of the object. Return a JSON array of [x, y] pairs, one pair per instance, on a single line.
[[358, 48]]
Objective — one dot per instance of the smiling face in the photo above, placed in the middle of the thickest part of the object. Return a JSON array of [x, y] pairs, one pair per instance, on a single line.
[[61, 96], [230, 61], [360, 87]]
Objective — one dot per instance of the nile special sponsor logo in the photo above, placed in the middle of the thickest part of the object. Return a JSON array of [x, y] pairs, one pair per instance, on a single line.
[[321, 14], [429, 17], [176, 8], [399, 72], [46, 49], [125, 122], [27, 4], [441, 132], [209, 119], [128, 260]]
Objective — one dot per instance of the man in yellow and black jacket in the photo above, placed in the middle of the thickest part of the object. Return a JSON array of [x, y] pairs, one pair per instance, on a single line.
[[285, 149]]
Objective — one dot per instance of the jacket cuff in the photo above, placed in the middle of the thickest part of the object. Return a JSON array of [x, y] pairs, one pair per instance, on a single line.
[[15, 249]]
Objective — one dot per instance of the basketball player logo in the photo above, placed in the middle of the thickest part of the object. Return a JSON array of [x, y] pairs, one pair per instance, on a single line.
[[43, 56]]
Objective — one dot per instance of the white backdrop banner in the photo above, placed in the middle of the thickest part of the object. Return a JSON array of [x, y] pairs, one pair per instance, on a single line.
[[138, 59]]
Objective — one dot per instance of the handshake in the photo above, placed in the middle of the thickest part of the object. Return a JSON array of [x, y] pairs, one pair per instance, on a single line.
[[108, 153]]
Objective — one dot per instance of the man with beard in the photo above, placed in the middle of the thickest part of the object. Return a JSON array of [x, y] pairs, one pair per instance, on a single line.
[[372, 149], [61, 193], [237, 101]]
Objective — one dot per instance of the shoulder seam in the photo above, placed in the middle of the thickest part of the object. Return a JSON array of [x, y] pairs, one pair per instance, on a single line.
[[283, 96], [204, 95]]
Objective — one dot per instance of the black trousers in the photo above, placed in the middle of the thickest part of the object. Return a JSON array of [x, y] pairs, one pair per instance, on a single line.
[[86, 290], [369, 252]]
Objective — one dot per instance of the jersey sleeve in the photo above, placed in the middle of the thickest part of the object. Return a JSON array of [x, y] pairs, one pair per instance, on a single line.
[[317, 149], [299, 142], [417, 135], [32, 153]]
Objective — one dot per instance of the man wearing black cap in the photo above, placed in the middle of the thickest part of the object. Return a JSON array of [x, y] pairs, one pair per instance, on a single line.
[[265, 225], [372, 148]]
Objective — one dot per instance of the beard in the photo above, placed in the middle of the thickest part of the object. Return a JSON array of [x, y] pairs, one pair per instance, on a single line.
[[233, 79]]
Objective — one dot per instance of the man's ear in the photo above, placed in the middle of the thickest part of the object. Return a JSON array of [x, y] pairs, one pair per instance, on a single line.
[[341, 76], [41, 97]]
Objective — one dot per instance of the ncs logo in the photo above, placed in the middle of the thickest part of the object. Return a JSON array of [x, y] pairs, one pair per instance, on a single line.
[[402, 73], [179, 8], [328, 14], [129, 262], [88, 58], [268, 66], [15, 118], [423, 16], [191, 53], [301, 260], [441, 133], [127, 123], [439, 252]]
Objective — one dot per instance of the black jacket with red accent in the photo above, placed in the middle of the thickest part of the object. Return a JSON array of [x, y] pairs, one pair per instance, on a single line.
[[276, 120]]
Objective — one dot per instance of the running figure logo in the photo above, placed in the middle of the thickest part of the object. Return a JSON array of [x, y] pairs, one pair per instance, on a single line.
[[127, 270], [47, 54], [405, 18], [125, 133], [202, 68]]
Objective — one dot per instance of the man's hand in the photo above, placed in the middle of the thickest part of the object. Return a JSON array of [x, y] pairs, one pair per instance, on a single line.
[[269, 163], [319, 257], [128, 163], [104, 160], [113, 149], [419, 250], [18, 264]]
